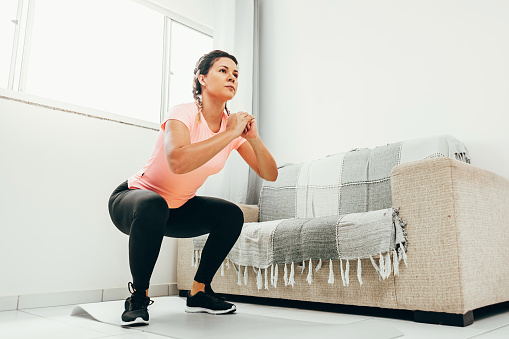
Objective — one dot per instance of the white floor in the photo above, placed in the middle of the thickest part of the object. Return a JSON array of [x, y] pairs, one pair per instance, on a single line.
[[56, 323]]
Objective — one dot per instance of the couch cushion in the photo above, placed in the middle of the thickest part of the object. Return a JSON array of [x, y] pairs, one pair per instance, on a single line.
[[350, 182]]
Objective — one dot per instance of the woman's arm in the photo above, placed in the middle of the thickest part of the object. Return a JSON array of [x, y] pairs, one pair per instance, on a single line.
[[256, 154], [183, 157], [258, 157]]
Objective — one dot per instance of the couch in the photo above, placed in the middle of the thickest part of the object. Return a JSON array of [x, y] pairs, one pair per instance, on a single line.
[[454, 219]]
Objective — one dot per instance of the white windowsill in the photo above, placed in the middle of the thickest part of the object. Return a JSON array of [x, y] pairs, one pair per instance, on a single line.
[[70, 108]]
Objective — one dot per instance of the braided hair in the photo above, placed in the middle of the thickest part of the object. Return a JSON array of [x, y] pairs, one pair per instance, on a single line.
[[202, 67]]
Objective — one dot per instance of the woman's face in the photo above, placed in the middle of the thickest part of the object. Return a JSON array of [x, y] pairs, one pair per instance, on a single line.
[[221, 80]]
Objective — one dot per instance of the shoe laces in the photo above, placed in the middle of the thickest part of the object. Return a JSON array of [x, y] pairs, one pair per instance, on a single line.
[[138, 300], [211, 292]]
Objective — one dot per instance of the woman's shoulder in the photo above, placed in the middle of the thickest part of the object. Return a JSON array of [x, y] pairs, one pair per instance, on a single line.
[[183, 112]]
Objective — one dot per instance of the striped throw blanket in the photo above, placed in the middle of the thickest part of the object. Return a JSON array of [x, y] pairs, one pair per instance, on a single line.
[[355, 236], [335, 208]]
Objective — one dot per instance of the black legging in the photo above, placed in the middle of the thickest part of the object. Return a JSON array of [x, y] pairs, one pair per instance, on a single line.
[[144, 216]]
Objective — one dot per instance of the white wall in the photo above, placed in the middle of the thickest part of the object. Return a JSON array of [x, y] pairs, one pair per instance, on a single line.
[[57, 172], [336, 75]]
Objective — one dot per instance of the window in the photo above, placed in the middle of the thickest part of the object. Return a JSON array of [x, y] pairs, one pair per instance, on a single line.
[[8, 10], [187, 46], [108, 55], [101, 54]]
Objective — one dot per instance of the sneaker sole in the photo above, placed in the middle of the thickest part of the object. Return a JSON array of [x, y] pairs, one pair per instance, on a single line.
[[136, 322], [209, 311]]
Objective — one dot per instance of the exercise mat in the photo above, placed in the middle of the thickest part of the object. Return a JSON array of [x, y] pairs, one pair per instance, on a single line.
[[168, 318]]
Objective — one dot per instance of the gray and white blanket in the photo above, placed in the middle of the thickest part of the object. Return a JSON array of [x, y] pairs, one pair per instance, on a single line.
[[354, 236], [335, 208]]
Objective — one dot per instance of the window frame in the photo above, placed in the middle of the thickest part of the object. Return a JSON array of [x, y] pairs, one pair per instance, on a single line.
[[21, 50]]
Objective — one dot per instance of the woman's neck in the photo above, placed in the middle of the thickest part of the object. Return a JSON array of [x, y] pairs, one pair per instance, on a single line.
[[212, 110]]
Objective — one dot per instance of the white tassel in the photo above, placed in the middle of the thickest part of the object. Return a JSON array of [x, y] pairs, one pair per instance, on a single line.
[[388, 267], [310, 273], [222, 269], [382, 266], [291, 279], [342, 272], [331, 273], [403, 254], [272, 274], [239, 277], [266, 280], [245, 276], [227, 263], [359, 271], [318, 266], [375, 266], [347, 273], [303, 267], [286, 276], [259, 282], [275, 277], [395, 262]]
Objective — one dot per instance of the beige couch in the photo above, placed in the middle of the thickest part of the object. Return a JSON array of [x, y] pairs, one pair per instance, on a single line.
[[458, 250]]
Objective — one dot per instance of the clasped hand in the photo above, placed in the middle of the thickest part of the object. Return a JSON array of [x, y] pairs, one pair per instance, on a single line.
[[243, 124]]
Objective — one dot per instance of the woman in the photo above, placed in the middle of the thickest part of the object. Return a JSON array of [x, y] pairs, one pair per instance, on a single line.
[[160, 200]]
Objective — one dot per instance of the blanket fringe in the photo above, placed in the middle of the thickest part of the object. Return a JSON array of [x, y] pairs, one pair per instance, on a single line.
[[196, 258], [345, 273], [309, 278], [403, 253], [377, 269], [266, 281], [318, 266], [331, 273], [359, 271], [395, 262], [291, 279], [259, 283], [286, 275], [239, 277], [275, 277], [384, 267], [388, 266], [342, 272], [302, 267]]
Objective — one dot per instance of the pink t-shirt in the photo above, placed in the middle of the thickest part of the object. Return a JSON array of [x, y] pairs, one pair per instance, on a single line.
[[156, 175]]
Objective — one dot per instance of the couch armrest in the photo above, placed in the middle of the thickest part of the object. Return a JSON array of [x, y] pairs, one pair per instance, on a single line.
[[458, 235]]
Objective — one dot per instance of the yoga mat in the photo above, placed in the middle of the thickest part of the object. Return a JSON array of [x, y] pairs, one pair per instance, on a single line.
[[168, 318]]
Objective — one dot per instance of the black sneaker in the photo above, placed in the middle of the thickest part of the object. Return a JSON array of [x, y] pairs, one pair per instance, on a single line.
[[136, 312], [208, 303]]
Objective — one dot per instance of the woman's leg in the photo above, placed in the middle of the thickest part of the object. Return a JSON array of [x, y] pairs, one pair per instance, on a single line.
[[201, 215], [141, 214]]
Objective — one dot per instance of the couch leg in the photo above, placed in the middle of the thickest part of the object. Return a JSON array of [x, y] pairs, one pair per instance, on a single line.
[[450, 319]]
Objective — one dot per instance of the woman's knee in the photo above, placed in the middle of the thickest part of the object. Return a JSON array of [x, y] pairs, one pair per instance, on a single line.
[[235, 216]]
